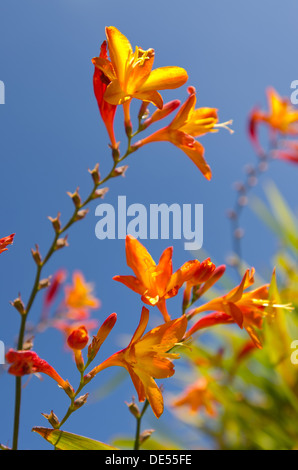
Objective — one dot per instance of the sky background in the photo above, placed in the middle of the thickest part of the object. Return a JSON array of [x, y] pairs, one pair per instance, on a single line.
[[51, 133]]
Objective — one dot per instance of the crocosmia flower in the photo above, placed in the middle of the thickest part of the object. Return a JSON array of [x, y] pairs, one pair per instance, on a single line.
[[78, 338], [79, 295], [4, 242], [155, 283], [131, 75], [28, 362], [186, 125], [247, 309], [107, 110], [198, 397], [148, 357]]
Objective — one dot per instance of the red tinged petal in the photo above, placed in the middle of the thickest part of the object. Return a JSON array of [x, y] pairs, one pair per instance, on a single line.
[[215, 318], [78, 338], [101, 80], [5, 242]]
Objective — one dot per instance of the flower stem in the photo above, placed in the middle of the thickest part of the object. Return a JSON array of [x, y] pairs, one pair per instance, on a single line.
[[138, 430]]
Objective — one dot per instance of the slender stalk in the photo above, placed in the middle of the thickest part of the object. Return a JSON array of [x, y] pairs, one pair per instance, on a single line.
[[35, 288], [138, 430]]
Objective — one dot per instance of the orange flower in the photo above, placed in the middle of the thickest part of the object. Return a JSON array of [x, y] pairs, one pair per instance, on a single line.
[[107, 110], [202, 274], [155, 283], [147, 357], [282, 116], [188, 124], [79, 294], [131, 75], [78, 338], [246, 309], [28, 362], [4, 242], [198, 396]]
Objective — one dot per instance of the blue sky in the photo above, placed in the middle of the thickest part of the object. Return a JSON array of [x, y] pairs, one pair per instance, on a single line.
[[51, 134]]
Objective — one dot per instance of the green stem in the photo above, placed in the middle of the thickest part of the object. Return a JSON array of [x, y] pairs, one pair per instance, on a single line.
[[35, 288], [138, 430]]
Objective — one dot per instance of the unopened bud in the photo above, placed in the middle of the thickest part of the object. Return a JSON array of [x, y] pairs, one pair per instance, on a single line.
[[36, 255], [19, 305], [75, 198], [56, 223], [78, 338], [145, 435], [134, 409], [43, 283], [95, 174], [242, 201], [143, 113], [100, 193], [239, 233], [52, 419], [115, 152], [159, 114], [120, 171], [61, 243], [80, 401], [81, 214], [101, 336]]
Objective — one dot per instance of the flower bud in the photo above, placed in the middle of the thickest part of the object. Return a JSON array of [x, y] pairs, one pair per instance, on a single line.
[[78, 338], [52, 419], [19, 305], [95, 174], [80, 401], [75, 198], [81, 214], [56, 223], [61, 243], [36, 255], [134, 409], [44, 283], [100, 193], [120, 171]]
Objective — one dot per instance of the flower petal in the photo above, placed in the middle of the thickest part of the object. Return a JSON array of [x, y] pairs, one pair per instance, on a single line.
[[120, 51], [132, 282], [151, 96], [196, 154], [165, 78], [139, 260]]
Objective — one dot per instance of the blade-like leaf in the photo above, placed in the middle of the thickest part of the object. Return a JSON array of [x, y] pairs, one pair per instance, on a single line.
[[67, 441]]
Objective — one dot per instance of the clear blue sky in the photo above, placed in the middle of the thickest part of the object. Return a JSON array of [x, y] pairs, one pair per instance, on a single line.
[[51, 133]]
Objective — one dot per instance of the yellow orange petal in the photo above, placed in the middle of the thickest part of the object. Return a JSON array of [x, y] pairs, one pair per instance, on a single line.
[[196, 154], [141, 326], [151, 96], [184, 112], [132, 282], [105, 66], [165, 78], [139, 260], [114, 94], [183, 274], [120, 51]]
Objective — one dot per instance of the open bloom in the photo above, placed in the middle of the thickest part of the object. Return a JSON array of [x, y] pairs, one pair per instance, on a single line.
[[79, 295], [131, 75], [148, 357], [281, 117], [198, 396], [247, 309], [155, 283], [4, 242], [28, 362], [107, 110], [186, 125]]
